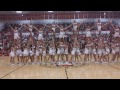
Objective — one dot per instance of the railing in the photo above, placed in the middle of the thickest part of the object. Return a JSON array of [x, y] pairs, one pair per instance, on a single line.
[[77, 15]]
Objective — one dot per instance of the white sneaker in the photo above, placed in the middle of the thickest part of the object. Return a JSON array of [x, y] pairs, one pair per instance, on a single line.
[[104, 62], [58, 63], [20, 64], [73, 63], [66, 63], [37, 62], [53, 62], [96, 62], [61, 63], [33, 63], [69, 63], [12, 64], [87, 62]]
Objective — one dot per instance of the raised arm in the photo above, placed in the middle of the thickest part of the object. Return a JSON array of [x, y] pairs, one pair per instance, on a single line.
[[58, 26], [92, 27], [48, 26], [43, 27], [112, 26], [11, 28], [20, 27], [26, 27], [105, 25], [79, 24], [35, 28], [68, 26]]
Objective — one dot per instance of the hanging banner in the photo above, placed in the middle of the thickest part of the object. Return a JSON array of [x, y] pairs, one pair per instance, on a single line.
[[27, 34]]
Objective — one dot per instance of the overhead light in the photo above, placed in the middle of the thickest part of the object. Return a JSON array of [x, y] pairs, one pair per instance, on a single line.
[[18, 11], [22, 15], [77, 11], [50, 11]]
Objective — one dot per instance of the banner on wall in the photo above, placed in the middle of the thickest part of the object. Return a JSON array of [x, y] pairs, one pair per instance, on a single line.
[[27, 34], [70, 33], [81, 32]]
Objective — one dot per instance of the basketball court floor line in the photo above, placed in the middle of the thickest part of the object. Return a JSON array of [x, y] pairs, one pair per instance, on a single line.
[[66, 72], [11, 72], [114, 67]]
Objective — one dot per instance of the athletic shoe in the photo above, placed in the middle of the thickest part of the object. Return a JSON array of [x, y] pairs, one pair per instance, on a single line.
[[20, 64], [96, 62], [37, 62], [12, 64], [61, 63], [87, 62], [33, 63], [66, 63], [53, 62], [73, 63], [58, 63], [104, 62]]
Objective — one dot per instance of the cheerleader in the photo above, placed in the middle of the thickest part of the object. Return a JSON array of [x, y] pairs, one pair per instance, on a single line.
[[50, 52], [21, 55], [78, 53], [66, 53], [117, 50], [107, 49], [113, 47], [40, 53], [16, 34], [37, 53], [54, 52], [62, 32], [31, 40], [103, 54], [117, 31], [62, 51], [25, 54], [90, 51], [73, 54], [29, 27], [94, 52], [86, 52], [52, 27], [12, 55], [100, 26], [18, 53], [88, 42], [40, 30], [44, 55], [75, 26], [31, 55], [58, 53], [88, 33]]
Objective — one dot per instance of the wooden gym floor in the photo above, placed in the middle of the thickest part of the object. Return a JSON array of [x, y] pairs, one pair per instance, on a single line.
[[87, 71]]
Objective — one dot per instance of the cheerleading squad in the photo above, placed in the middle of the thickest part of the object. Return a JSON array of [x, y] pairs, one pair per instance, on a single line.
[[96, 49]]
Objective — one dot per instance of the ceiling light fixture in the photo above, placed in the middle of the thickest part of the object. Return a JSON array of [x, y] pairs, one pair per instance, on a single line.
[[50, 11], [18, 11], [77, 11]]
